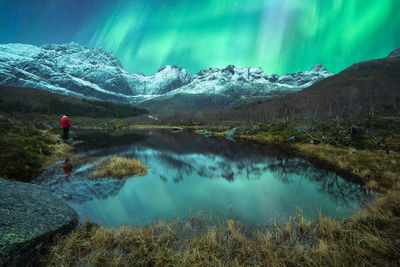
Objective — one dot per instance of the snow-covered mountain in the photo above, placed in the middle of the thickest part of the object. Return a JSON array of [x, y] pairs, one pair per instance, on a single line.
[[76, 70], [235, 79]]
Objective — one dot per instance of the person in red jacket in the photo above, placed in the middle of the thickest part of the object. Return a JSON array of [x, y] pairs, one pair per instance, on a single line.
[[65, 124]]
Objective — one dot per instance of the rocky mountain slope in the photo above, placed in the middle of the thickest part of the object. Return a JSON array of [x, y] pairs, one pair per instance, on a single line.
[[76, 70], [366, 87]]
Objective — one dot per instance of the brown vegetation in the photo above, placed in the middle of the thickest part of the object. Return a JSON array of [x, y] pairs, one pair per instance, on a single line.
[[378, 170], [120, 167], [369, 238]]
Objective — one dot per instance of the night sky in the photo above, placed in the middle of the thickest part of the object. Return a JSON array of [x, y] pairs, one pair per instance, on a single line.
[[280, 36]]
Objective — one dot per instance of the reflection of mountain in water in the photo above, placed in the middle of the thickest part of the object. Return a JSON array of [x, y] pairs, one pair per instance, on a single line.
[[94, 139], [340, 190], [174, 156]]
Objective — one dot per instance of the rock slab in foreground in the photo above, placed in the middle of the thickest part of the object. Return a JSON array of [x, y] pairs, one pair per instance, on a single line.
[[29, 217]]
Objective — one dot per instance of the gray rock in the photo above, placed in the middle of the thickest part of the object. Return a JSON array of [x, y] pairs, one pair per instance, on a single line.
[[30, 216], [207, 133], [72, 134], [302, 128], [291, 139], [231, 133]]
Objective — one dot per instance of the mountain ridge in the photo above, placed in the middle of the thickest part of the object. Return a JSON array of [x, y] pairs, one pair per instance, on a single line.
[[75, 70], [363, 88]]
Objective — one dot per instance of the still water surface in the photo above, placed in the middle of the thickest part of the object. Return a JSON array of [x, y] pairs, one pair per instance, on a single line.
[[190, 174]]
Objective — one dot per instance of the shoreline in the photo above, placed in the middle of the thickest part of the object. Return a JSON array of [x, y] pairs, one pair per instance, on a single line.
[[326, 237], [333, 233]]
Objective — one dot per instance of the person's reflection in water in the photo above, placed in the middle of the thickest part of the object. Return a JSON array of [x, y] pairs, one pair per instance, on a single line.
[[67, 166]]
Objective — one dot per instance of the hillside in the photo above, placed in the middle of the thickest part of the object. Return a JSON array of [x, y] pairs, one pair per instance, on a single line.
[[28, 100], [369, 86]]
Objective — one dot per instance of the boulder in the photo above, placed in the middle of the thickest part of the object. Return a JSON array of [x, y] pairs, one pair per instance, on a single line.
[[30, 217], [291, 139], [231, 133], [207, 133], [303, 128]]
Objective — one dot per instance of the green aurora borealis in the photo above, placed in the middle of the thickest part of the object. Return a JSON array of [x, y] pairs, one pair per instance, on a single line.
[[280, 36]]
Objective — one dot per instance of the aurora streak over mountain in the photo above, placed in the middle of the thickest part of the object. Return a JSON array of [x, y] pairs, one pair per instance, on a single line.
[[281, 36]]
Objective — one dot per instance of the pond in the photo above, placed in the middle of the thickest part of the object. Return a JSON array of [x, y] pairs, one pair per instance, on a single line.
[[190, 174]]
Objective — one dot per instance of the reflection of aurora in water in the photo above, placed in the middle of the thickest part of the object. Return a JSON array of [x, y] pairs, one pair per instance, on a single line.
[[191, 173]]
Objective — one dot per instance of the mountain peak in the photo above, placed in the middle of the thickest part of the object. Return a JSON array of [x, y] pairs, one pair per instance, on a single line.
[[319, 68], [97, 56], [63, 47], [169, 68], [395, 53]]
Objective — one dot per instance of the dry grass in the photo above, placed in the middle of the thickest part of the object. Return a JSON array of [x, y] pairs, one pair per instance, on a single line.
[[60, 151], [370, 238], [120, 167], [379, 171], [265, 138]]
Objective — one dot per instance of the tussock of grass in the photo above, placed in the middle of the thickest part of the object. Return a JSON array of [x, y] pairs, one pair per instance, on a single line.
[[380, 171], [120, 167], [370, 237]]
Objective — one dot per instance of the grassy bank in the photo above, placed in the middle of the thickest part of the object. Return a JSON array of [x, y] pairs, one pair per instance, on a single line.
[[362, 158], [378, 170], [369, 238], [26, 149]]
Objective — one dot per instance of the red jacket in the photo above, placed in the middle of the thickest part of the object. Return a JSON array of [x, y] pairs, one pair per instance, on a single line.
[[65, 122]]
